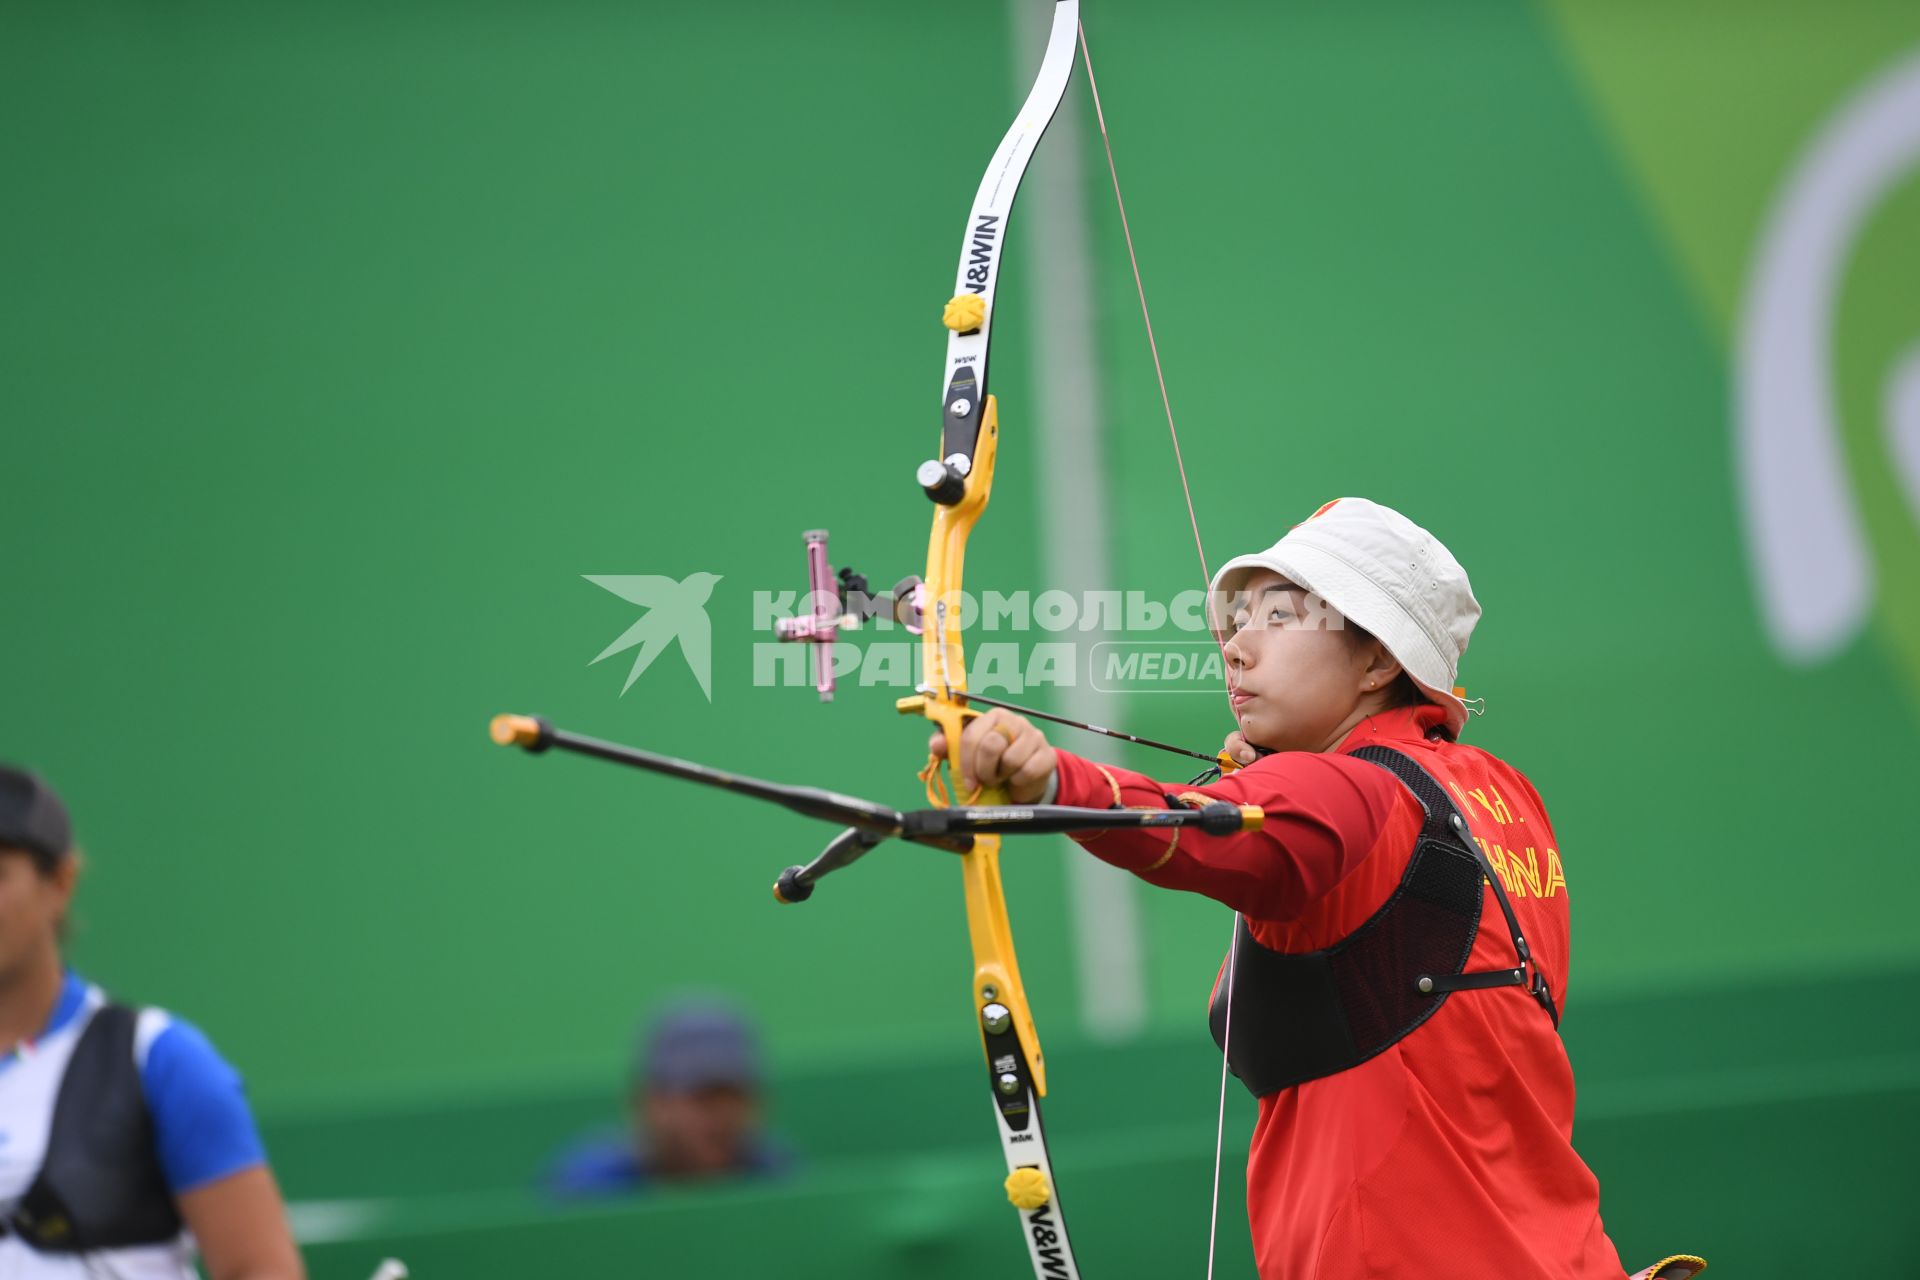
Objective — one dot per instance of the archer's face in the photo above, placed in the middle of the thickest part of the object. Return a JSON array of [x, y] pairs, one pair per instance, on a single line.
[[32, 904], [1298, 676]]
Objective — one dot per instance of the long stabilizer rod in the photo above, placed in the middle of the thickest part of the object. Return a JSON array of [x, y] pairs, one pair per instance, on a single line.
[[869, 823]]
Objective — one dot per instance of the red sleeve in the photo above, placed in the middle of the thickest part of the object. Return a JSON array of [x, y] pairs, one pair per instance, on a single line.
[[1324, 812]]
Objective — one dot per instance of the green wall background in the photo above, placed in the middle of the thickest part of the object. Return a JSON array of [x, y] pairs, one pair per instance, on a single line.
[[340, 341]]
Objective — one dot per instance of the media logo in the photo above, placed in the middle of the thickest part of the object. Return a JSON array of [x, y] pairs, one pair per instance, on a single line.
[[675, 610]]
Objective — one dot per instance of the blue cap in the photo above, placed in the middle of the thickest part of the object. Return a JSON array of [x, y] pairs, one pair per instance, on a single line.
[[698, 1044]]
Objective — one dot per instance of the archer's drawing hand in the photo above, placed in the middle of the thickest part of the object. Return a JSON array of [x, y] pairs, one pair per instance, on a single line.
[[1002, 748], [1240, 749]]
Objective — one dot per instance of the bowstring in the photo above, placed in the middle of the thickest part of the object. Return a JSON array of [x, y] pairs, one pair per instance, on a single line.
[[1193, 519], [1146, 314]]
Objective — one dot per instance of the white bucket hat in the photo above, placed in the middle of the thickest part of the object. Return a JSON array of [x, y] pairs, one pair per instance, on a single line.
[[1386, 574]]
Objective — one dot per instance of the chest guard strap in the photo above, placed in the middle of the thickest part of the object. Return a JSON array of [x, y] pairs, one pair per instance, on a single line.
[[100, 1186], [1302, 1016]]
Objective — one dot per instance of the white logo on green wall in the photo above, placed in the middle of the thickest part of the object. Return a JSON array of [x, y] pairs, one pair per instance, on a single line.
[[1827, 384], [675, 610]]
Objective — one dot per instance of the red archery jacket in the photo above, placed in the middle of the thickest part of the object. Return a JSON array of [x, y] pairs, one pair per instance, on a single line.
[[1451, 1153]]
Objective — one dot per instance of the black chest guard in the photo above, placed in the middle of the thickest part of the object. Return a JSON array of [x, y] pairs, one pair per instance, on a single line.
[[100, 1186], [1299, 1017]]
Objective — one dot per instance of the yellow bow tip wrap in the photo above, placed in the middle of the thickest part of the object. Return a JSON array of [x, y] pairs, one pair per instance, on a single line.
[[1028, 1188], [965, 312]]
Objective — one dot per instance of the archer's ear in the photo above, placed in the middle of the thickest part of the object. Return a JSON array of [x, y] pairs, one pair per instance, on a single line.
[[1382, 667], [66, 872]]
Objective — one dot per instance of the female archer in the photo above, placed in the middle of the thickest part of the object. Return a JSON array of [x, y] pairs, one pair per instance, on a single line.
[[1401, 951]]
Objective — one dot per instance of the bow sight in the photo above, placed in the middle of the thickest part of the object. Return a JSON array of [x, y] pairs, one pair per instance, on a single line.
[[841, 602]]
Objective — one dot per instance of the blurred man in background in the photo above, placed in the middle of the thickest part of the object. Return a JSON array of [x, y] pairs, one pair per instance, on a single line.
[[693, 1111], [122, 1130]]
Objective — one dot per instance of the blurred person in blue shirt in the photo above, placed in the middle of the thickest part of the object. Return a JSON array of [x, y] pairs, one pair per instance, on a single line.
[[125, 1138], [693, 1110]]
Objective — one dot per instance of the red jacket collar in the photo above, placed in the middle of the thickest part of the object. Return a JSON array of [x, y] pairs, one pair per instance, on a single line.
[[1401, 724]]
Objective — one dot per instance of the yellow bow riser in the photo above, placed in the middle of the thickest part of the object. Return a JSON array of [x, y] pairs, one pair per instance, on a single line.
[[996, 975]]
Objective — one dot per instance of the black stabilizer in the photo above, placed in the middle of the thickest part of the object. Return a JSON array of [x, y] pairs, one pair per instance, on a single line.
[[1221, 819], [946, 487], [792, 887]]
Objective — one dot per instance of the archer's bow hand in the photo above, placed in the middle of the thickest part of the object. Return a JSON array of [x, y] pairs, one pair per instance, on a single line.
[[1004, 749]]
